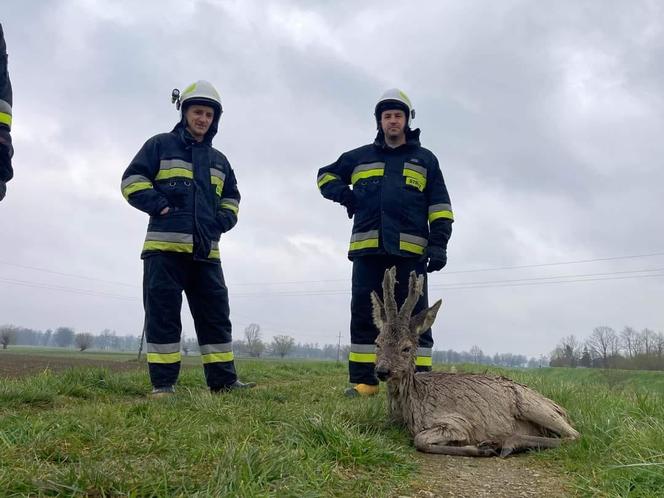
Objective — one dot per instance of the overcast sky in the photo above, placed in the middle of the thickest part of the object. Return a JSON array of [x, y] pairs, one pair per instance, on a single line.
[[547, 120]]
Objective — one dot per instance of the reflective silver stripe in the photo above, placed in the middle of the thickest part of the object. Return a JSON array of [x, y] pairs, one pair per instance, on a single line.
[[231, 201], [363, 348], [439, 207], [413, 239], [5, 107], [134, 179], [356, 237], [366, 167], [225, 347], [185, 238], [323, 175], [173, 347], [174, 163], [218, 174], [214, 245], [424, 351], [421, 170]]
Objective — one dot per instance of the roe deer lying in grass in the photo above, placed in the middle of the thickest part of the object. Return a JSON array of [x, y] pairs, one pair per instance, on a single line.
[[456, 414]]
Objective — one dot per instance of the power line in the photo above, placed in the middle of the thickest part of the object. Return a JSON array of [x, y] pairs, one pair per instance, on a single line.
[[293, 282], [62, 288]]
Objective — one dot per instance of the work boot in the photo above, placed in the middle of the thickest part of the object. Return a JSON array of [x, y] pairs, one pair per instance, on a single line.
[[233, 387], [361, 390], [162, 392]]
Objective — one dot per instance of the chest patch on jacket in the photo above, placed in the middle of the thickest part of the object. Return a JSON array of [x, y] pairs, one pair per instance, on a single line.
[[415, 176]]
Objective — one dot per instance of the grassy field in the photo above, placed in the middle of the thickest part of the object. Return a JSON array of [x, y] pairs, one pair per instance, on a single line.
[[93, 431]]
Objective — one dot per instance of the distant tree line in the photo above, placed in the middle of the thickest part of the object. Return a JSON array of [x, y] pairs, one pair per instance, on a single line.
[[605, 348], [252, 345]]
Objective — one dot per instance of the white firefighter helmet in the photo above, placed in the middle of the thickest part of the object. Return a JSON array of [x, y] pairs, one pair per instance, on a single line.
[[394, 99], [201, 92]]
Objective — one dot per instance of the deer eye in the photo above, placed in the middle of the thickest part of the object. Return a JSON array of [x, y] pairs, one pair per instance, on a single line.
[[406, 349]]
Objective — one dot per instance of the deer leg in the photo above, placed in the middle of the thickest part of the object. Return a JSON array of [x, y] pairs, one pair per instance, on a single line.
[[434, 440], [518, 442]]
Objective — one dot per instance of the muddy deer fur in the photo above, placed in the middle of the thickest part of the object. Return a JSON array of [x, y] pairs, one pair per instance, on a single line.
[[449, 413]]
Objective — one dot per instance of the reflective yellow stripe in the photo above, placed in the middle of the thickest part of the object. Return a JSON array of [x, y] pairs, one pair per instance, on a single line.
[[327, 177], [362, 357], [164, 357], [6, 119], [217, 357], [363, 244], [424, 361], [218, 182], [172, 172], [227, 205], [214, 254], [416, 179], [441, 214], [366, 174], [410, 247], [157, 245], [135, 187]]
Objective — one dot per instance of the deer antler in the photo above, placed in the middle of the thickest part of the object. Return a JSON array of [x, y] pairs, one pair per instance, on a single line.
[[389, 281], [415, 285]]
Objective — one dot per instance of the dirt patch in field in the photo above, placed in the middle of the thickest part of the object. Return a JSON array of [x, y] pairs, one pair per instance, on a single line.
[[23, 365], [517, 476]]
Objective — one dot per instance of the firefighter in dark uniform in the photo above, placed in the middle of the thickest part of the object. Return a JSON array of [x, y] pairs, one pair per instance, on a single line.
[[402, 217], [189, 190], [6, 149]]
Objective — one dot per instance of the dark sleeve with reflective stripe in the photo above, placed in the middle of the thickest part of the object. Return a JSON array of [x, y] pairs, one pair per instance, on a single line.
[[137, 181], [333, 180], [440, 208], [6, 149], [230, 202]]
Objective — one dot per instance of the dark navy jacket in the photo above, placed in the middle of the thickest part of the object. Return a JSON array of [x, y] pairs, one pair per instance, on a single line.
[[400, 199], [195, 180], [6, 149]]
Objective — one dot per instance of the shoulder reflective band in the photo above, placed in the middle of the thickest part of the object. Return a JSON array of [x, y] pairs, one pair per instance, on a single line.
[[364, 240], [367, 171], [412, 243], [134, 183], [440, 211], [170, 168]]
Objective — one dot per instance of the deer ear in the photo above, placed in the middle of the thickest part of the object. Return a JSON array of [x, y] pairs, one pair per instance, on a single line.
[[379, 317], [424, 319]]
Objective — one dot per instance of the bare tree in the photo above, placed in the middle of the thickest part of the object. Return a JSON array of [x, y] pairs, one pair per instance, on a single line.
[[476, 353], [567, 353], [282, 345], [629, 339], [7, 335], [603, 343], [647, 341], [83, 341], [252, 335]]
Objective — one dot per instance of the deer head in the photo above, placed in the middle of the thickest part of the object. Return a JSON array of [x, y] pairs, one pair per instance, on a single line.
[[396, 344]]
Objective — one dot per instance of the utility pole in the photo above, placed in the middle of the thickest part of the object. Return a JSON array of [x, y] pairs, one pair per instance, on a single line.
[[339, 348]]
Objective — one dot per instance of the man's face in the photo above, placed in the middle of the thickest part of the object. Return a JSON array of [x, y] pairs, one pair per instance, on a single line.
[[199, 118], [393, 123]]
